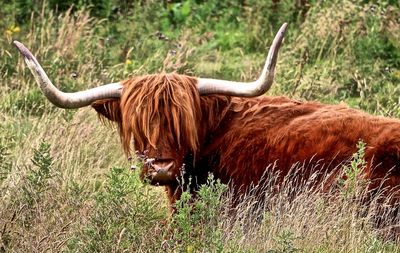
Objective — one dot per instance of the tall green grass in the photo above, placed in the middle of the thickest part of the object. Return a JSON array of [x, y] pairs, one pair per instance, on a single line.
[[64, 181]]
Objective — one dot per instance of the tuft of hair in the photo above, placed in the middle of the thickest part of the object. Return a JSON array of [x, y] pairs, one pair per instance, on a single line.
[[160, 105]]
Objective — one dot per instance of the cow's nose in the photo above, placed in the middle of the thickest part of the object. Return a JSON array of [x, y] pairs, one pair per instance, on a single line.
[[162, 166], [161, 174]]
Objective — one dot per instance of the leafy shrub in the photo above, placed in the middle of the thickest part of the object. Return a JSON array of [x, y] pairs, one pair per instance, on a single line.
[[37, 179], [125, 216], [353, 183], [196, 224]]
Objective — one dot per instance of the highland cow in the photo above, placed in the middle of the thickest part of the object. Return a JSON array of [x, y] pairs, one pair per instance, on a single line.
[[189, 127]]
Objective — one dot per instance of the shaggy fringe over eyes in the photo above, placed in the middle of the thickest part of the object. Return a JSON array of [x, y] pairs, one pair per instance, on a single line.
[[160, 105]]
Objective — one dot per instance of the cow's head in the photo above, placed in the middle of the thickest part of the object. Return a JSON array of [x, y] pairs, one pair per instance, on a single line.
[[160, 114]]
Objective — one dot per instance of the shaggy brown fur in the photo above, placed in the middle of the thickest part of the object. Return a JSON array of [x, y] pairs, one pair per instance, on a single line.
[[281, 132], [240, 140], [156, 105]]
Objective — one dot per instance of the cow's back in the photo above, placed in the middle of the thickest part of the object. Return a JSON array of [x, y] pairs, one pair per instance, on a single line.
[[274, 134]]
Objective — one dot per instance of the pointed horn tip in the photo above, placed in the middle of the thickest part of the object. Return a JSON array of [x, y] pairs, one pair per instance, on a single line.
[[16, 43], [283, 28], [19, 45], [23, 50]]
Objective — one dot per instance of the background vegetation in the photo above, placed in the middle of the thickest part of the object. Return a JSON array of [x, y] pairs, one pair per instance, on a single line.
[[64, 181]]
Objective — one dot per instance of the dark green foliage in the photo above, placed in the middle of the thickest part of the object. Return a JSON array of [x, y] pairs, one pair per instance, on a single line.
[[353, 183], [37, 179], [196, 224], [99, 8], [42, 162], [125, 213], [285, 243]]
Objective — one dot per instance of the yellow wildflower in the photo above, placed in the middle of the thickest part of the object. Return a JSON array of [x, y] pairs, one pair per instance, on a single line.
[[190, 249], [396, 74], [16, 29], [128, 62], [12, 29]]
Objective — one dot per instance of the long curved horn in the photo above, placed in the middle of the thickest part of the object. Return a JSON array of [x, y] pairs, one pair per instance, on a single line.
[[62, 99], [243, 89]]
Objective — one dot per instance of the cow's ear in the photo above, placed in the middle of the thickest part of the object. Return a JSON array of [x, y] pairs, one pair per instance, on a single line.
[[108, 108]]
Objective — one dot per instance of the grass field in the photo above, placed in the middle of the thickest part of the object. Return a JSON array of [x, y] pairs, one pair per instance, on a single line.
[[65, 184]]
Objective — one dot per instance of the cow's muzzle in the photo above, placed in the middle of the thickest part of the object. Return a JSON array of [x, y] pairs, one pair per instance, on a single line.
[[160, 172]]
